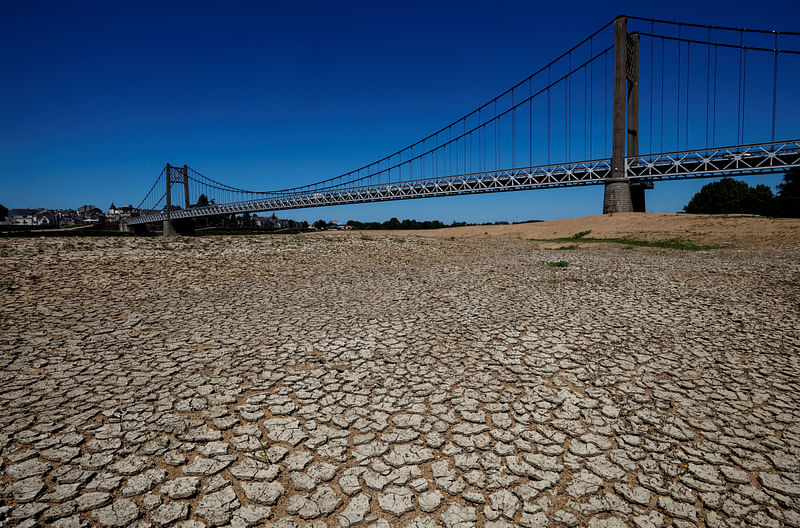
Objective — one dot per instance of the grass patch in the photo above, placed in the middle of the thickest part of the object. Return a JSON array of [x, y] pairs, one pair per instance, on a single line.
[[580, 234], [569, 247], [671, 243], [557, 263]]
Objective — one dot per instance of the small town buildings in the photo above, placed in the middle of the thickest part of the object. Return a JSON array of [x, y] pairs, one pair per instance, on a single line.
[[116, 214], [89, 214], [22, 217], [270, 222], [67, 217], [46, 218]]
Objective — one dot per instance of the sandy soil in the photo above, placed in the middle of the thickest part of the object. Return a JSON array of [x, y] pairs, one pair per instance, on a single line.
[[717, 230]]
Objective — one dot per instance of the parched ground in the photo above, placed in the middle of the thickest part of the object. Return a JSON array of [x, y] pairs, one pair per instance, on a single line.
[[399, 380]]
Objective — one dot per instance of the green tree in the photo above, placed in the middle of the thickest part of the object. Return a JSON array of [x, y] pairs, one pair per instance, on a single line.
[[760, 201], [320, 224], [729, 196], [788, 199], [202, 200], [3, 212]]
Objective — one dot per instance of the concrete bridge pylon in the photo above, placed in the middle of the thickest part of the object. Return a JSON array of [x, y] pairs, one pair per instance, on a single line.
[[625, 128]]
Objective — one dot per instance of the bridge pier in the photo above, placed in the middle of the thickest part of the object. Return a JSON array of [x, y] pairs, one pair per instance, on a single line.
[[617, 196], [169, 229], [637, 195]]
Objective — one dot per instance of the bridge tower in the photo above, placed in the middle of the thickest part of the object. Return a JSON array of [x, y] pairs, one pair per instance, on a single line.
[[175, 175], [625, 129]]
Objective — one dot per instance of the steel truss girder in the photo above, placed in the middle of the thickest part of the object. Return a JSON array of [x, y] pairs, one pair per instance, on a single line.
[[761, 158], [709, 163], [561, 175]]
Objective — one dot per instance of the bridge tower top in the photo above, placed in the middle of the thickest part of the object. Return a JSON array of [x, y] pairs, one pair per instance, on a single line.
[[173, 175]]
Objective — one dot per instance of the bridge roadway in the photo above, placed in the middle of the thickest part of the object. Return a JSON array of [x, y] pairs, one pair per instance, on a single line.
[[762, 158]]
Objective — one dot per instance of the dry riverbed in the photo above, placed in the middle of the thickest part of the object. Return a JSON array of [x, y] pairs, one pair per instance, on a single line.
[[398, 380]]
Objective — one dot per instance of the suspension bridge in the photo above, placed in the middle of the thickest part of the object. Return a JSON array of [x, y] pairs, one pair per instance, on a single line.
[[702, 101]]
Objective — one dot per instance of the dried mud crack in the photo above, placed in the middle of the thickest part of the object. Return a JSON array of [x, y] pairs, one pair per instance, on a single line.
[[386, 381]]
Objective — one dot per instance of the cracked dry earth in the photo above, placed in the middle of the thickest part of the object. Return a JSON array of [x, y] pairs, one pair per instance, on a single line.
[[375, 381]]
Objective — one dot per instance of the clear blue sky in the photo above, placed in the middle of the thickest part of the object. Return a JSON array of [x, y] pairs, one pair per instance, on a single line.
[[95, 97]]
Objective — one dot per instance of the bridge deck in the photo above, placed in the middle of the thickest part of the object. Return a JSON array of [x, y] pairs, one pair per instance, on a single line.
[[764, 158]]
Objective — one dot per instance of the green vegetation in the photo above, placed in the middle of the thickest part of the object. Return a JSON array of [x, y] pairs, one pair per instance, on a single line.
[[787, 203], [672, 243], [394, 223], [557, 264], [729, 196], [265, 457], [581, 234]]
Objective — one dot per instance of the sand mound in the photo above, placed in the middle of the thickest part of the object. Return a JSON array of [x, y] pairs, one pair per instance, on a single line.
[[722, 230]]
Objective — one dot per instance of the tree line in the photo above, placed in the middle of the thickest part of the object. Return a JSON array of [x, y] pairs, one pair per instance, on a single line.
[[394, 223], [729, 196]]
